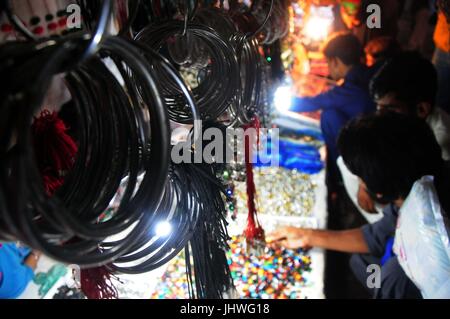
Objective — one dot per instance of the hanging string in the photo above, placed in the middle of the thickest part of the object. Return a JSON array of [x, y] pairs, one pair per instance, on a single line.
[[254, 233], [209, 277]]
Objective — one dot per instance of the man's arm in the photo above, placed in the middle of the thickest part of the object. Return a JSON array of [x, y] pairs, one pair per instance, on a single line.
[[312, 104], [349, 241]]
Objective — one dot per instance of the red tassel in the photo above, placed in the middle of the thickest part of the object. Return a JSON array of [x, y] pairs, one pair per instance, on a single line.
[[254, 233], [96, 283], [54, 149], [52, 183], [55, 153]]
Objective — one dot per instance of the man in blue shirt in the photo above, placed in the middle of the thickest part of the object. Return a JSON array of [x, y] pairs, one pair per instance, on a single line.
[[17, 266], [344, 102]]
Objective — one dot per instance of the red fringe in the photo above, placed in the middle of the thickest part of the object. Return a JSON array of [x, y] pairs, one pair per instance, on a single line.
[[55, 153], [96, 283], [254, 231], [52, 183], [54, 148]]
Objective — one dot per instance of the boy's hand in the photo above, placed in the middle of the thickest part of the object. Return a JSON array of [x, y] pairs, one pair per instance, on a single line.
[[33, 259], [290, 237]]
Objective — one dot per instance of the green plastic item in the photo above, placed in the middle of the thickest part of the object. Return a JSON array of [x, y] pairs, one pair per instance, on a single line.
[[49, 279]]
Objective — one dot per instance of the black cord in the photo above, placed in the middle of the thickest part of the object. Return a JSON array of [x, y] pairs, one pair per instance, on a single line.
[[216, 93], [93, 182], [133, 12]]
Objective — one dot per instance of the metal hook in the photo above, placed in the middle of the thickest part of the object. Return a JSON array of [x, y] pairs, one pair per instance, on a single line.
[[185, 22], [100, 30], [188, 16], [194, 10], [261, 27]]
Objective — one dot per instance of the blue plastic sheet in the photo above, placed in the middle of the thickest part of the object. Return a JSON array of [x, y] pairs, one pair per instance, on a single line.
[[291, 155]]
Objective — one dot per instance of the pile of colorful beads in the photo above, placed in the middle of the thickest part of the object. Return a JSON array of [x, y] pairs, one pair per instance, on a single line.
[[277, 274], [174, 284], [280, 192], [274, 275]]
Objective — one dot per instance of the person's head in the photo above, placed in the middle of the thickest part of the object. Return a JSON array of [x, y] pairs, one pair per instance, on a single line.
[[342, 51], [389, 153], [406, 84], [381, 49]]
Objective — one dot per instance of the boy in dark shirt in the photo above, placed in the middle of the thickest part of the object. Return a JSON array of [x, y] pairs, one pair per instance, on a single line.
[[389, 153]]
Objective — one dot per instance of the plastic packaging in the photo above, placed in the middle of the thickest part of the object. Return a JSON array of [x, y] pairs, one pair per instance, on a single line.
[[422, 240]]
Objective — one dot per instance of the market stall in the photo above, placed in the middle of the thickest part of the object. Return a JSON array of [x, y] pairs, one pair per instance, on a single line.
[[145, 226]]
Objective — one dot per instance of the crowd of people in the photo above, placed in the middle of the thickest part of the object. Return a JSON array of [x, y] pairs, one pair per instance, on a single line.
[[386, 126]]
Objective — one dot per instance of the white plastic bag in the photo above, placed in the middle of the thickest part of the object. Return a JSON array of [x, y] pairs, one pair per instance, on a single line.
[[422, 240]]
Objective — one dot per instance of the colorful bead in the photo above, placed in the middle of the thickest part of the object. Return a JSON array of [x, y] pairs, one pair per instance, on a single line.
[[52, 26], [38, 30], [35, 21], [62, 22]]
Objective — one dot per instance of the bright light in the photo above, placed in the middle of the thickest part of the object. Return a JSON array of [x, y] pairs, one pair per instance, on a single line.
[[163, 229], [283, 98], [317, 28]]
